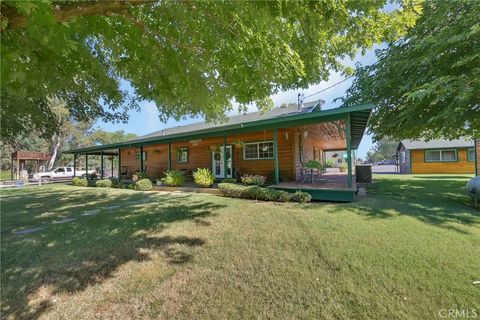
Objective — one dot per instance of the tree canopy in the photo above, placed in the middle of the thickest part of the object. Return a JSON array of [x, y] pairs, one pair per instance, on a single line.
[[384, 149], [188, 57], [427, 84]]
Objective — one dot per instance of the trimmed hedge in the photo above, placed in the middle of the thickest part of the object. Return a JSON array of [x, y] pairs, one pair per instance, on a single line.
[[229, 180], [254, 179], [143, 185], [114, 182], [301, 197], [105, 183], [76, 181], [259, 193]]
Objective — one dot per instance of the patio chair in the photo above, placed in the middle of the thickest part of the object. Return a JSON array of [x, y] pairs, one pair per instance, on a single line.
[[124, 172]]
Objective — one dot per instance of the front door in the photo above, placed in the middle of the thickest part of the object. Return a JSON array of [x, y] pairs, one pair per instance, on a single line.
[[218, 161]]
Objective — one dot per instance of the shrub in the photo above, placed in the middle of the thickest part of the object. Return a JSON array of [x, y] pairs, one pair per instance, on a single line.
[[114, 182], [330, 163], [232, 190], [82, 183], [253, 192], [313, 164], [143, 185], [301, 197], [254, 179], [75, 181], [229, 180], [104, 183], [343, 167], [203, 177], [173, 178]]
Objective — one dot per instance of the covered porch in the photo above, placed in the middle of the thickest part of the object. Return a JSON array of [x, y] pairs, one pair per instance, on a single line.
[[278, 147]]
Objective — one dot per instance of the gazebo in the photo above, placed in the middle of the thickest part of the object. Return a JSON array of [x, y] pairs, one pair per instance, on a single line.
[[20, 157]]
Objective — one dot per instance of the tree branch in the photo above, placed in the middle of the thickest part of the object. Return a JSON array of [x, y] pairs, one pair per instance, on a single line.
[[64, 12]]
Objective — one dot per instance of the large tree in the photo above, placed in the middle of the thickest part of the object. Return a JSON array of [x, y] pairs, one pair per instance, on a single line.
[[384, 149], [188, 57], [427, 84]]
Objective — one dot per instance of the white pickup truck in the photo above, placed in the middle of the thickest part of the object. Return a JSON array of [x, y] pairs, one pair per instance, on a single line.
[[62, 173]]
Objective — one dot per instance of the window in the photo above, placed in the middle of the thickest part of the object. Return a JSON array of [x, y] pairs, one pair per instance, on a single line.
[[60, 170], [69, 169], [471, 154], [182, 155], [258, 150], [440, 155], [144, 155]]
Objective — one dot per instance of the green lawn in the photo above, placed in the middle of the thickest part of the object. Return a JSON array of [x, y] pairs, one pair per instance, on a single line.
[[408, 250]]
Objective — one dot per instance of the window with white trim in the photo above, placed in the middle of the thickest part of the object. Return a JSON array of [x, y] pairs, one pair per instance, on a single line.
[[182, 155], [441, 155], [258, 150], [471, 154]]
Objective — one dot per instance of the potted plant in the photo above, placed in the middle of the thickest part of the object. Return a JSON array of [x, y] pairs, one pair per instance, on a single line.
[[238, 144]]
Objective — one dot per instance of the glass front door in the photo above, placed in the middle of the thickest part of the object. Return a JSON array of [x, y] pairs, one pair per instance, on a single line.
[[218, 161]]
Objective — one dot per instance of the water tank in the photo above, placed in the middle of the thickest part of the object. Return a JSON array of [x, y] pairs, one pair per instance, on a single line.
[[363, 173]]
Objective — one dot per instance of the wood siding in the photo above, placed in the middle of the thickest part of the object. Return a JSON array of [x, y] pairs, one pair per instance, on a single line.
[[200, 156], [461, 166]]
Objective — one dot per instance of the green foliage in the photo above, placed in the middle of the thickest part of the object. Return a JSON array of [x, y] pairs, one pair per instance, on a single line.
[[330, 163], [313, 164], [253, 179], [75, 181], [105, 183], [80, 182], [343, 167], [384, 149], [143, 185], [232, 190], [173, 178], [253, 192], [203, 177], [301, 197], [229, 180], [426, 85], [91, 47]]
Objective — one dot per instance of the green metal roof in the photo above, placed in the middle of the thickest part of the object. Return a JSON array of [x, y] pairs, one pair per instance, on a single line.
[[358, 116]]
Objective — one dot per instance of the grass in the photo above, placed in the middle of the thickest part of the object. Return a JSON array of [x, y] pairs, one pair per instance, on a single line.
[[408, 250], [5, 175]]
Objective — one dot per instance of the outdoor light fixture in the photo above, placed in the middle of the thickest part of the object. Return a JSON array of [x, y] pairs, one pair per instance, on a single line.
[[305, 134]]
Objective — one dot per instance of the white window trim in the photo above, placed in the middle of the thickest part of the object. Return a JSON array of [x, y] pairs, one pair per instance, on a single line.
[[441, 155], [258, 150], [468, 153], [181, 150]]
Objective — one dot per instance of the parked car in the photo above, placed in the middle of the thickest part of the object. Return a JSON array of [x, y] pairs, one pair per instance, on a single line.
[[62, 173]]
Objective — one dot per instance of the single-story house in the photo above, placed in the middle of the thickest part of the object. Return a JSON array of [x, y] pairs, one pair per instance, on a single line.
[[276, 144], [438, 156]]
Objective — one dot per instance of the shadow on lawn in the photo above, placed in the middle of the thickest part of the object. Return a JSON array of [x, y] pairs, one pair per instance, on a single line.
[[439, 201], [69, 257]]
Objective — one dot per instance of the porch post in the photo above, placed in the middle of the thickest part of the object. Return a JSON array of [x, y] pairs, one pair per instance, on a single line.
[[349, 151], [101, 164], [112, 165], [275, 156], [119, 164], [169, 152], [86, 165], [74, 165], [141, 159], [11, 167], [225, 162]]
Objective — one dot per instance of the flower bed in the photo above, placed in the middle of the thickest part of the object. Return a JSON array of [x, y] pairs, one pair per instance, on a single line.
[[260, 193]]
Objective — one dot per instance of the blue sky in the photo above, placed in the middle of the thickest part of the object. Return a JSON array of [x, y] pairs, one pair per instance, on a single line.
[[147, 119]]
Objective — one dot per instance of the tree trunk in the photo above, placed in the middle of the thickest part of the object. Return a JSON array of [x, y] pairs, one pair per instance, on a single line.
[[56, 145]]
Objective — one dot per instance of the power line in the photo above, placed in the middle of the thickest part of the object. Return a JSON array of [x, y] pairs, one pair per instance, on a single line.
[[333, 85]]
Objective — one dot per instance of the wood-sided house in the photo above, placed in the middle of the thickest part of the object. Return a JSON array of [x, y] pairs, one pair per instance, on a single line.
[[438, 156], [276, 144]]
